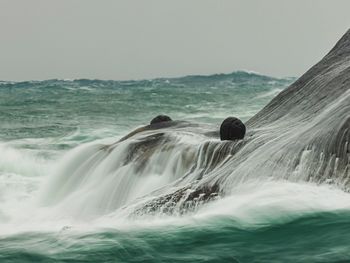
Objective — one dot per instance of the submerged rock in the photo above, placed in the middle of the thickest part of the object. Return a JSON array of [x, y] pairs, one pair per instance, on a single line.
[[160, 118], [232, 129]]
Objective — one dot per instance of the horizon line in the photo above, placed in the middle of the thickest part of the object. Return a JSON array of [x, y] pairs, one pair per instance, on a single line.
[[252, 72]]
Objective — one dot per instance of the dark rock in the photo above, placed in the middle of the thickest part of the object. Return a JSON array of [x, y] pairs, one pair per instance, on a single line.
[[160, 118], [232, 129]]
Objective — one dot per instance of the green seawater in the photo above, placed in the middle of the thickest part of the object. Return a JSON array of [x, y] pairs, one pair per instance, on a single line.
[[42, 121], [320, 237]]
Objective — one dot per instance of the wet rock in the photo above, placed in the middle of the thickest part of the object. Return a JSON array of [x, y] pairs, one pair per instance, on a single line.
[[232, 129], [160, 118]]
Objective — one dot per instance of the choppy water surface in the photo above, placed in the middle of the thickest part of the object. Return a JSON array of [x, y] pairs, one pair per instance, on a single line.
[[44, 124]]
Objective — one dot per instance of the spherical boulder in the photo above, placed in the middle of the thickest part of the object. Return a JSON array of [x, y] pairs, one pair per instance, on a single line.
[[232, 129], [160, 118]]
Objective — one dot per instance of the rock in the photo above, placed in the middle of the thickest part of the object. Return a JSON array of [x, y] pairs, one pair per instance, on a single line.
[[160, 118], [232, 129]]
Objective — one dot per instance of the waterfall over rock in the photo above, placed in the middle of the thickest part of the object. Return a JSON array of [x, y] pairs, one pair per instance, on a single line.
[[303, 134]]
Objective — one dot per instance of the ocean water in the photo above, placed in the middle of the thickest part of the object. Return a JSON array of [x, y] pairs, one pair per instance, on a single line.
[[52, 211]]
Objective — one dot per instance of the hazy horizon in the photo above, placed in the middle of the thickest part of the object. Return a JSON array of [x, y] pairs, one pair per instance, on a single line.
[[156, 78], [130, 40]]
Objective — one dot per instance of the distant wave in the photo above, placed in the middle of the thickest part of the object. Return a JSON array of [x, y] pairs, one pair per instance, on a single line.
[[234, 74]]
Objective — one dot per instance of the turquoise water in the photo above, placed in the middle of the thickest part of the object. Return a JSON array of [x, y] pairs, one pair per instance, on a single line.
[[321, 237], [42, 123]]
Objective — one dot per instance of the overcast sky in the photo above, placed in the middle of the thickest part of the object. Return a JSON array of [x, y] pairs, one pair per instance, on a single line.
[[146, 39]]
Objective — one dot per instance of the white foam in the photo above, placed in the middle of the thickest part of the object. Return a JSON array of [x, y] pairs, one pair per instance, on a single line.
[[23, 162], [254, 205]]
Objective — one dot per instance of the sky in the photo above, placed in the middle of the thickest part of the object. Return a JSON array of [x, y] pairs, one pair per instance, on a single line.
[[120, 40]]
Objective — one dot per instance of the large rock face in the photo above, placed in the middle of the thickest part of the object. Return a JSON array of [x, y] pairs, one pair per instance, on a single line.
[[314, 114], [303, 134]]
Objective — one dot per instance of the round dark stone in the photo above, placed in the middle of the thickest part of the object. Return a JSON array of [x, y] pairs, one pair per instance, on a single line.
[[232, 129], [160, 118]]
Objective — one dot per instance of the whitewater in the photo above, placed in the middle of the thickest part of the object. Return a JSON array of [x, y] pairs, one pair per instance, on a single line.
[[74, 189]]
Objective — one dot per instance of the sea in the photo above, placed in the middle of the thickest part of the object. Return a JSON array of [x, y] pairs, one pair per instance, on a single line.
[[54, 209]]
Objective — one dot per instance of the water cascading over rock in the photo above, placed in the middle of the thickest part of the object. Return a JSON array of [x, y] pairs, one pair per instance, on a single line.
[[303, 134]]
